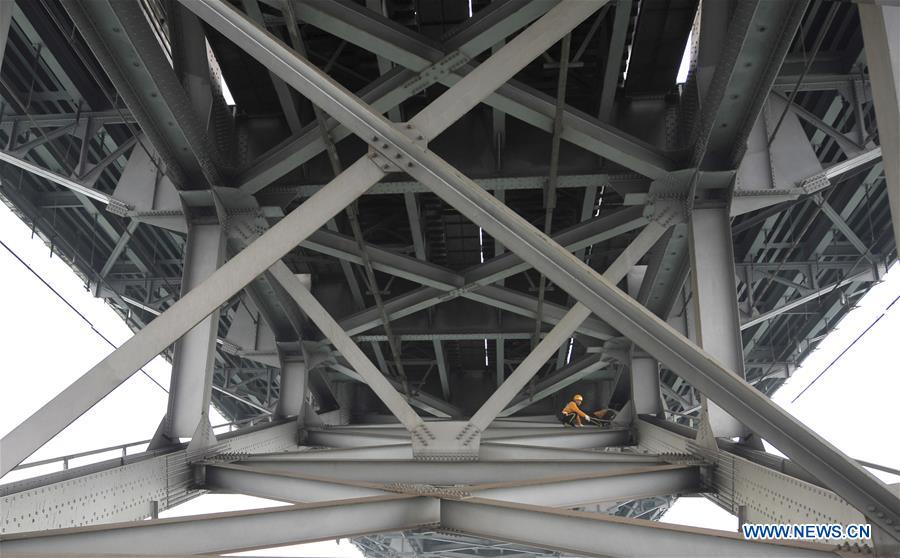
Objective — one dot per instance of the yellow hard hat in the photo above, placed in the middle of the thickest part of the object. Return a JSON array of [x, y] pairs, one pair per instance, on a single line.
[[578, 397]]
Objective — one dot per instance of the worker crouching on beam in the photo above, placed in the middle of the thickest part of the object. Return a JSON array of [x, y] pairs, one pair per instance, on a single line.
[[572, 415]]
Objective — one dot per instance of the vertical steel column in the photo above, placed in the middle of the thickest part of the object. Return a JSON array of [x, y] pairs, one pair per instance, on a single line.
[[195, 353], [879, 24], [294, 379], [441, 363], [191, 62], [715, 302], [6, 9], [614, 59], [645, 397]]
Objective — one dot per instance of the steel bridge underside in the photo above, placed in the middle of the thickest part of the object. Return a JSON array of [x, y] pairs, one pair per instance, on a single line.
[[536, 208]]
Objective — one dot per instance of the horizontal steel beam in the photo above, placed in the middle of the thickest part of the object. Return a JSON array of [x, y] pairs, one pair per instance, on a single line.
[[234, 531], [594, 534], [440, 473], [593, 488], [488, 451], [354, 439], [590, 438], [556, 491], [494, 432], [124, 488], [500, 451], [53, 120], [396, 452], [499, 184], [287, 487]]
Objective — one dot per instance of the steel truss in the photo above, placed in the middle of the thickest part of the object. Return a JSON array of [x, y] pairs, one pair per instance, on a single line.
[[489, 476], [339, 493]]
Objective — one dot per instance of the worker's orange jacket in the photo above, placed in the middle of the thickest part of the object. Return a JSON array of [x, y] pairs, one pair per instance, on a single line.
[[572, 407]]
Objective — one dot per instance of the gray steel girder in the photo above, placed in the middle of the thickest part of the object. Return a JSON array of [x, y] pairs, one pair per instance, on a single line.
[[121, 38], [732, 393]]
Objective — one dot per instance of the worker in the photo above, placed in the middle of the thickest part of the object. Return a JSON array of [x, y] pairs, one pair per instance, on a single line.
[[572, 415]]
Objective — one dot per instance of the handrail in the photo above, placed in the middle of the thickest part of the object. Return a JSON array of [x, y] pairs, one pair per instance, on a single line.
[[124, 447]]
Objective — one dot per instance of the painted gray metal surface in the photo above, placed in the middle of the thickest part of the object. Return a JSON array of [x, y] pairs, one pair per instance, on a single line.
[[806, 238]]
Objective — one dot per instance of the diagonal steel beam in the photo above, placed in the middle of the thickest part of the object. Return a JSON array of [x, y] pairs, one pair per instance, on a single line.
[[342, 342], [844, 228], [282, 91], [372, 32], [120, 36], [190, 309], [733, 394], [564, 329], [421, 400], [104, 377], [847, 145], [393, 87], [443, 284], [559, 379], [56, 178], [506, 265]]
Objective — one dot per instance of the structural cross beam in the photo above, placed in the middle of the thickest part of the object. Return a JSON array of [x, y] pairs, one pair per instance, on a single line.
[[299, 224], [604, 299]]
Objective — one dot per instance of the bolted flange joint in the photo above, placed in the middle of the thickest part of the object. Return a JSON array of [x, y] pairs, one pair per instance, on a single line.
[[388, 157]]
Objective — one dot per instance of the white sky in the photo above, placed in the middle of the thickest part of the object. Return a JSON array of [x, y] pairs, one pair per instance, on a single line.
[[46, 346]]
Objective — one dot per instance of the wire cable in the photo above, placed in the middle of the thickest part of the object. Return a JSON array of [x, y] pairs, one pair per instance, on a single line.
[[69, 304], [850, 346]]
